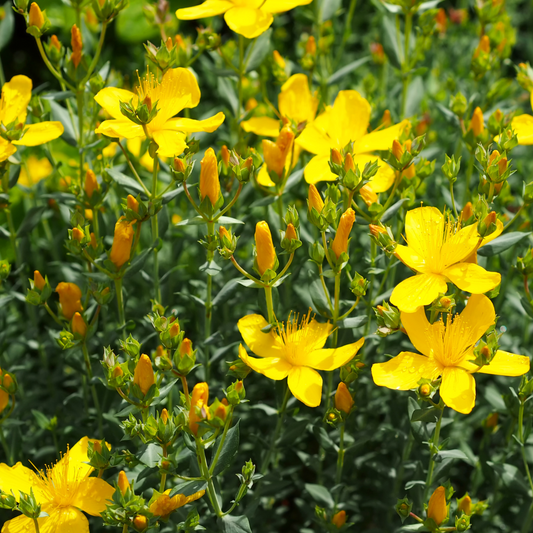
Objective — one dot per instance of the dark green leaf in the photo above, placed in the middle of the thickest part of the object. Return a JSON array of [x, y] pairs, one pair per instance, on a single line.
[[229, 449], [32, 218], [320, 494], [234, 524], [502, 243], [7, 26], [188, 488], [62, 115], [128, 183], [347, 69]]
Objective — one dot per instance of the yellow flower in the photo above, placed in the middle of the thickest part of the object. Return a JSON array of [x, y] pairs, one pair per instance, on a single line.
[[140, 522], [176, 91], [34, 171], [340, 242], [265, 252], [249, 18], [122, 241], [448, 351], [440, 252], [199, 399], [144, 374], [275, 153], [16, 95], [295, 351], [63, 491], [343, 398], [523, 126], [69, 299], [347, 121], [36, 17], [209, 181], [162, 505], [437, 508]]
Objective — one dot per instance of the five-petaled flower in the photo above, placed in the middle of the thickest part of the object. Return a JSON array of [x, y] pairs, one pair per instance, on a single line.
[[448, 351], [440, 252], [63, 491], [249, 18], [295, 351], [176, 91]]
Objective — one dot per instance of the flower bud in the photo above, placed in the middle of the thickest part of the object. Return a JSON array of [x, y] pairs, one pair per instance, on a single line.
[[91, 183], [290, 233], [209, 180], [465, 505], [79, 327], [437, 509], [140, 522], [343, 399], [179, 165], [38, 280], [199, 399], [477, 124], [265, 251], [335, 156], [310, 46], [54, 41], [122, 241], [164, 416], [397, 149], [467, 212], [275, 154], [339, 519], [143, 376], [69, 299], [348, 163], [225, 155], [340, 242], [133, 204], [77, 45], [123, 483], [77, 234], [278, 59], [36, 17], [117, 372], [315, 200]]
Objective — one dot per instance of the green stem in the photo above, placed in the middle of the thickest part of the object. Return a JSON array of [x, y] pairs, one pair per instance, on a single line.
[[2, 75], [211, 492], [209, 300], [347, 28], [125, 528], [12, 235], [406, 66], [120, 305], [517, 214], [36, 524], [52, 314], [80, 99], [130, 164], [340, 460], [241, 76], [434, 444], [7, 451], [469, 171], [155, 234], [93, 388], [453, 199], [222, 440], [51, 68], [324, 288], [96, 57], [275, 436], [529, 516], [163, 476], [270, 305]]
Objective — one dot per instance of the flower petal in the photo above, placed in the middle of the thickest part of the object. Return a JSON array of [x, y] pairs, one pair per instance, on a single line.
[[248, 21], [272, 367], [496, 233], [210, 8], [120, 128], [380, 139], [458, 389], [188, 125], [36, 134], [416, 291], [279, 6], [171, 143], [424, 230], [110, 98], [16, 95], [64, 520], [472, 278], [506, 364], [460, 245], [314, 138], [350, 118], [263, 126], [318, 170], [263, 178], [92, 496], [306, 385], [410, 258], [77, 460], [332, 358], [421, 333], [404, 371], [312, 336], [21, 524], [523, 127], [295, 101], [478, 316], [19, 478], [262, 344], [6, 149], [383, 179]]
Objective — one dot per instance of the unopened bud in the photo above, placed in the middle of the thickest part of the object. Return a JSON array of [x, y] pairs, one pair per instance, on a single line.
[[91, 183], [343, 398], [38, 280], [340, 242], [164, 416], [123, 483], [477, 124], [36, 17], [143, 376], [336, 156], [77, 234], [397, 149], [339, 519], [77, 45], [133, 204]]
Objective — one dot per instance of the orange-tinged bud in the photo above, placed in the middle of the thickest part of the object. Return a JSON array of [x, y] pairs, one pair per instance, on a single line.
[[36, 17], [465, 505], [251, 103], [477, 124], [467, 212], [223, 232], [199, 399], [407, 145], [169, 44], [209, 180], [290, 233], [179, 165], [445, 301], [376, 231], [144, 374], [164, 416], [310, 46], [315, 200], [266, 253], [502, 165], [76, 44], [123, 483], [339, 519], [409, 172], [348, 162], [484, 44], [225, 401], [77, 234], [494, 155], [122, 241], [239, 385], [492, 420], [117, 372], [133, 204], [89, 215], [174, 329], [386, 119], [38, 280], [140, 522], [97, 446], [54, 41], [91, 183], [343, 399], [221, 411], [164, 505], [94, 242], [397, 149], [79, 327], [340, 242], [180, 43], [437, 509], [279, 60], [425, 389], [336, 156], [225, 155], [275, 154], [186, 347], [69, 299]]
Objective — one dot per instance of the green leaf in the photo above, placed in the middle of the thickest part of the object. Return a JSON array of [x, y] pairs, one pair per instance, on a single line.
[[320, 494], [415, 94], [353, 322], [502, 243], [41, 419], [225, 291], [62, 115], [7, 26], [390, 42], [425, 415], [455, 454], [234, 524], [229, 449], [328, 8], [138, 261], [128, 183], [319, 299], [227, 91], [188, 488], [164, 392], [210, 268], [151, 455], [32, 218], [170, 195], [347, 69], [258, 51], [391, 211], [132, 26], [14, 173]]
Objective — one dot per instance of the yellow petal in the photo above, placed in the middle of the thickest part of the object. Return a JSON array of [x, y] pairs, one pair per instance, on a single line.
[[424, 229], [472, 278], [507, 364], [384, 177], [263, 126], [295, 100], [313, 335], [110, 98], [332, 358], [458, 389], [188, 125], [263, 178], [350, 117], [496, 233], [410, 258], [421, 333], [64, 520], [478, 316], [16, 95], [306, 385], [404, 371], [171, 143], [6, 149], [120, 128], [318, 170], [416, 291], [315, 138], [262, 344], [19, 478], [43, 132], [21, 524], [460, 245], [272, 367], [210, 8], [279, 6], [380, 139], [77, 460], [248, 21], [523, 127], [368, 195], [92, 496]]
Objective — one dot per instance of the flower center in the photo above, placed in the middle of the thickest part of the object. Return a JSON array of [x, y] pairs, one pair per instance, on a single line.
[[454, 341]]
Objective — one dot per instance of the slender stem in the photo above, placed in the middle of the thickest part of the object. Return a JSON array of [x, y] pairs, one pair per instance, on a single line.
[[155, 235], [406, 65], [5, 445], [434, 445], [241, 76], [244, 273], [52, 314], [272, 448], [285, 268], [163, 476], [469, 171], [93, 388], [325, 245], [517, 214], [51, 68], [12, 235], [36, 524], [453, 199], [186, 391], [280, 210], [193, 203], [209, 300], [80, 99], [325, 289], [391, 195], [96, 57], [130, 164], [231, 204], [222, 440], [340, 460], [2, 75], [347, 30], [125, 528], [270, 305], [120, 305], [202, 463], [350, 310], [522, 442]]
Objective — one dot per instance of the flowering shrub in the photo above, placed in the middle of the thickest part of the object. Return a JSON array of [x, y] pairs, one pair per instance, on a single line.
[[264, 266]]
